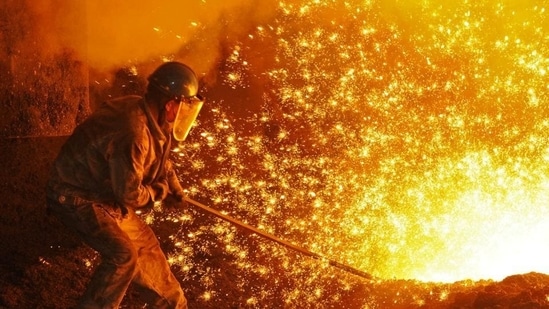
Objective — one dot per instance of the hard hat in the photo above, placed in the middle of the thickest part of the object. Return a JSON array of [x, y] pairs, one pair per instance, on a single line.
[[175, 80]]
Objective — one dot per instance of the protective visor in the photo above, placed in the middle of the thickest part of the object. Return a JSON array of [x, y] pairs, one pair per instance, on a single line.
[[186, 115]]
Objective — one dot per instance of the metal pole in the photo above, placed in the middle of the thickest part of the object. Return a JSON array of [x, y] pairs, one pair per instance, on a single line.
[[278, 240]]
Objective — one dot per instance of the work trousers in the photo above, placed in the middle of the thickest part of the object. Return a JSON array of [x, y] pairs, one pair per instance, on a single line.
[[130, 253]]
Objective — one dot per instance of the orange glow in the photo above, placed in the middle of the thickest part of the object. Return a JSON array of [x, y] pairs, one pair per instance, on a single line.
[[412, 138], [408, 140]]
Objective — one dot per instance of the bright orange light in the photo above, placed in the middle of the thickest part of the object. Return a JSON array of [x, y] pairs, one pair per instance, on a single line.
[[411, 141]]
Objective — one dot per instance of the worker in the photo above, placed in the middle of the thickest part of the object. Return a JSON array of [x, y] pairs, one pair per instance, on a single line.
[[115, 163]]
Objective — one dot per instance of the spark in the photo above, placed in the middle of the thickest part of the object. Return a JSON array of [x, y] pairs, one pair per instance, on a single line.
[[410, 142]]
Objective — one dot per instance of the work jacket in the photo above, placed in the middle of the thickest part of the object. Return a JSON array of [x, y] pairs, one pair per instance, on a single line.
[[115, 156]]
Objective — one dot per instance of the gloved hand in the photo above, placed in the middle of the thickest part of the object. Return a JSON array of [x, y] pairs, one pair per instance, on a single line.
[[175, 201], [160, 190], [179, 196]]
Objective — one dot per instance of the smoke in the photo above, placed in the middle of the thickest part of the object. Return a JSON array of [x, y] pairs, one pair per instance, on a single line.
[[111, 34]]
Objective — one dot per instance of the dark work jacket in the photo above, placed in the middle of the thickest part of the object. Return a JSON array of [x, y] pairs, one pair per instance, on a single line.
[[115, 156]]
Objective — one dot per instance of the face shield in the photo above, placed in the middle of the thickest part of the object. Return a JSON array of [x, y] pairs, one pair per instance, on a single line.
[[186, 115]]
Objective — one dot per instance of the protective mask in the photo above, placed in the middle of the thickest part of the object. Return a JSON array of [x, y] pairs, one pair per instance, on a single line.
[[186, 115]]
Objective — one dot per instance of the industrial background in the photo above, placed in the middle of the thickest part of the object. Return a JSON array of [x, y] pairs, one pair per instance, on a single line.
[[405, 141]]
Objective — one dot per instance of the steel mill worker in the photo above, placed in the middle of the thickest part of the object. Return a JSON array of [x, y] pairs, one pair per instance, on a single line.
[[115, 162]]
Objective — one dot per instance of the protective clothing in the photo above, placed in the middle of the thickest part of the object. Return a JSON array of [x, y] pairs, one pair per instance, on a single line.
[[115, 162], [130, 252], [115, 156]]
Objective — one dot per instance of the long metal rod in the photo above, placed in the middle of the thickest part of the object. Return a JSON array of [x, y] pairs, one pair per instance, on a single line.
[[278, 240]]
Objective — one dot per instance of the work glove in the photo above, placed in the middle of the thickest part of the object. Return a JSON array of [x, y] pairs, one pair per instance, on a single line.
[[179, 196], [175, 201]]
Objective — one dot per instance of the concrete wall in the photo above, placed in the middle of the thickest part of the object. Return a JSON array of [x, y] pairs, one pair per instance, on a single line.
[[43, 87]]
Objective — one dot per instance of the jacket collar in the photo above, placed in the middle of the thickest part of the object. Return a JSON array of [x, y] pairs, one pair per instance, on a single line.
[[154, 127]]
